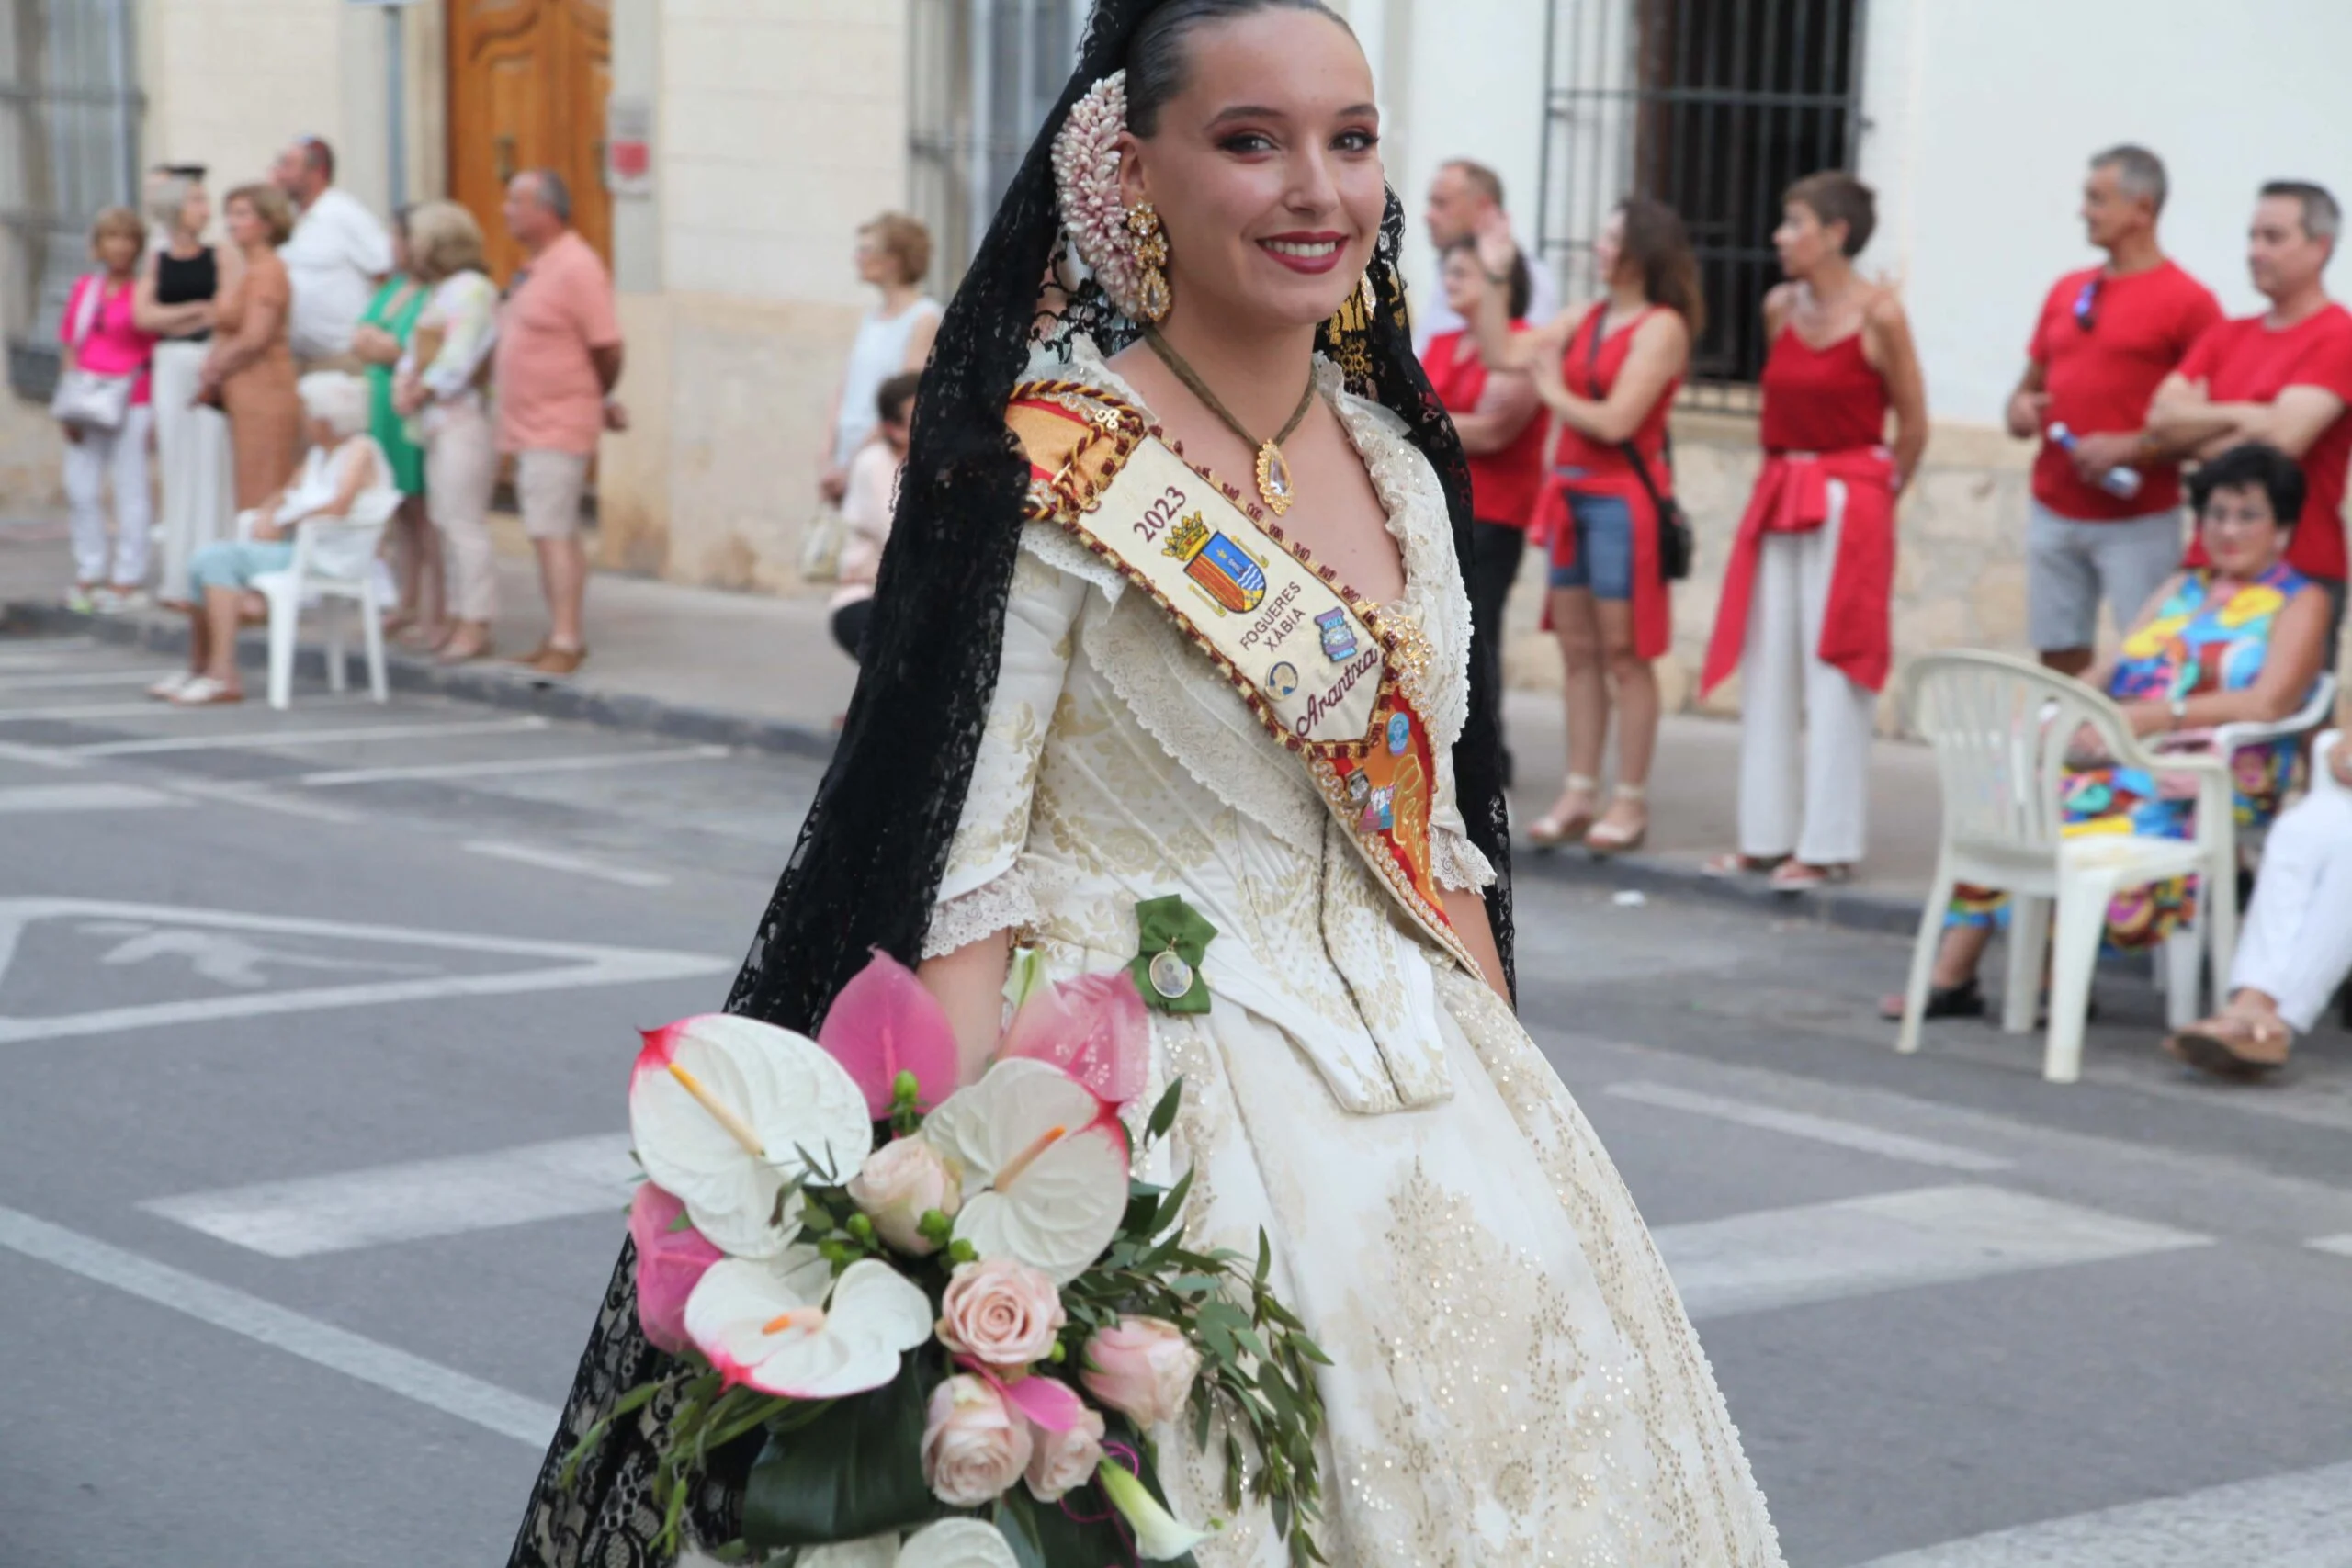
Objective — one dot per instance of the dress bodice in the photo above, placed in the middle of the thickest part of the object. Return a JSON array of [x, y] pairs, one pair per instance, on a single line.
[[1119, 765]]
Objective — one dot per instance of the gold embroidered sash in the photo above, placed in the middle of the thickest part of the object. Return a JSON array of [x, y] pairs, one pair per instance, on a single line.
[[1328, 674]]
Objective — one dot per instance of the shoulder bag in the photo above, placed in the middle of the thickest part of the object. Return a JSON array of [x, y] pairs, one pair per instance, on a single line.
[[1674, 543], [85, 398]]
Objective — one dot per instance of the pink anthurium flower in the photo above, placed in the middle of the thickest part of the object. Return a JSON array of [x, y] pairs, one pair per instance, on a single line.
[[1044, 1171], [884, 1022], [1094, 1027], [770, 1325], [670, 1260]]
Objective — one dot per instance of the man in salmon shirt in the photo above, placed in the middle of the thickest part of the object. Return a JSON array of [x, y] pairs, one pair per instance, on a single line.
[[2104, 522], [2283, 377]]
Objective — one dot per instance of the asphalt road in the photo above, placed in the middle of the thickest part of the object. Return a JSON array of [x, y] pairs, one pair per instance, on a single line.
[[312, 1153]]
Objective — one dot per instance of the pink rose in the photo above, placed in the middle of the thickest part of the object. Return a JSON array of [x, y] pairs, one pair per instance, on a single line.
[[1142, 1368], [1001, 1313], [1061, 1460], [973, 1448], [899, 1183], [668, 1263]]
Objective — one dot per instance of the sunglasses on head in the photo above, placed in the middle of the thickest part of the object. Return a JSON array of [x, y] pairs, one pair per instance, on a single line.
[[2087, 304]]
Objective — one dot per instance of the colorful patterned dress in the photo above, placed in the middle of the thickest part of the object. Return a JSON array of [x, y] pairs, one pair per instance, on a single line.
[[2193, 645]]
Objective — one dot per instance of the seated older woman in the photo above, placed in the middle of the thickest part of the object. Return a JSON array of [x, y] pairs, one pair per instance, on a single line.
[[2296, 948], [344, 463], [2236, 640]]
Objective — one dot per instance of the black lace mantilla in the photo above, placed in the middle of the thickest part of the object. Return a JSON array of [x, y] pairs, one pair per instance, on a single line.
[[870, 855]]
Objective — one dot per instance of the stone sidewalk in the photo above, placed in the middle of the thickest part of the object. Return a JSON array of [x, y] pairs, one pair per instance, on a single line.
[[759, 671]]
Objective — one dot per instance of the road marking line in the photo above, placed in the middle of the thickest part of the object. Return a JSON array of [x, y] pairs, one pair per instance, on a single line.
[[83, 797], [415, 1201], [551, 859], [2339, 1244], [264, 800], [266, 739], [323, 1344], [510, 765], [10, 680], [1824, 1252], [569, 966], [40, 755], [1799, 1124], [2302, 1519], [150, 709]]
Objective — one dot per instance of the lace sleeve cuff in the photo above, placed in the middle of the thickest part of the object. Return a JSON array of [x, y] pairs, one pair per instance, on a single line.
[[1458, 863], [1001, 903]]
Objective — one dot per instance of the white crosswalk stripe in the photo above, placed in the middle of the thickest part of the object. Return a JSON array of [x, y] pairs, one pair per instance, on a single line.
[[82, 798], [1804, 1125], [1859, 1246], [2299, 1520], [415, 1201]]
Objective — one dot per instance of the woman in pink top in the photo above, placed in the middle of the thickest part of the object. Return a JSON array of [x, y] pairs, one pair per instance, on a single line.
[[99, 335]]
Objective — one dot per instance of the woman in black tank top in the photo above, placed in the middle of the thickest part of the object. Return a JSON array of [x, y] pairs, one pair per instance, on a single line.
[[174, 302]]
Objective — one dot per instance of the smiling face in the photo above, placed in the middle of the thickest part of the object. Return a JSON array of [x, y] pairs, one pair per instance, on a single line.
[[1265, 170], [2240, 531]]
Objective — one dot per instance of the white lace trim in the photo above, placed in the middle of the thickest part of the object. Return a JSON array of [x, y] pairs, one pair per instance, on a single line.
[[1001, 903], [1457, 863]]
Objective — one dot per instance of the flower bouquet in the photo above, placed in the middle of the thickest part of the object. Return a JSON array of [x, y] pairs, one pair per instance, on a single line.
[[955, 1317]]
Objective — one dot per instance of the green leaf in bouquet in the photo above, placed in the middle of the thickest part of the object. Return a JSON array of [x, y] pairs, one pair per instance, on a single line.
[[1171, 1205], [855, 1471], [1164, 1115]]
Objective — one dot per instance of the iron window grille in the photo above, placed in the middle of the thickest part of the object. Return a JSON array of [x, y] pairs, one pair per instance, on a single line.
[[70, 112], [1715, 108], [983, 74]]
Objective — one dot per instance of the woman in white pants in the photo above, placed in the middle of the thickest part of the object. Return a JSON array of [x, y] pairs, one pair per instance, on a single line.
[[2296, 947], [1804, 618], [99, 337], [439, 383], [177, 288]]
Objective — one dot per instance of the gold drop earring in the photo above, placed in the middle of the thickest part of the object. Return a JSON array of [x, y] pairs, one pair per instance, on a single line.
[[1150, 242]]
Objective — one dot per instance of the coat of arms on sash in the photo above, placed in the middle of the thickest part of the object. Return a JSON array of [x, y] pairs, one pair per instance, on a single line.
[[1229, 574]]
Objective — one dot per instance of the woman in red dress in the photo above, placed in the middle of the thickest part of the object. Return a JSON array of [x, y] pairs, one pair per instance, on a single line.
[[1804, 619], [1496, 415], [1608, 372]]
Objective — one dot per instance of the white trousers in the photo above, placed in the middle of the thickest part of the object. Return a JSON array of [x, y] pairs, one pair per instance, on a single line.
[[121, 455], [1804, 733], [199, 469], [460, 470], [2295, 944]]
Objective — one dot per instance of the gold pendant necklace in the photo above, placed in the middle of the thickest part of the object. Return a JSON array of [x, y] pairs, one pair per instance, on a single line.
[[1274, 486]]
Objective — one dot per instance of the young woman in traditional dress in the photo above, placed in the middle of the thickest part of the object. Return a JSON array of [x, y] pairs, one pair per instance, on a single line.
[[1103, 672]]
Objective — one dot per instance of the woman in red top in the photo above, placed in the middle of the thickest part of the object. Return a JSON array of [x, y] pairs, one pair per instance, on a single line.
[[1805, 608], [1609, 373], [1495, 415]]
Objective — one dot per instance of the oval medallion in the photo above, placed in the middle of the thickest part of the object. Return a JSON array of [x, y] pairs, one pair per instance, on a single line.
[[1400, 734], [1170, 975]]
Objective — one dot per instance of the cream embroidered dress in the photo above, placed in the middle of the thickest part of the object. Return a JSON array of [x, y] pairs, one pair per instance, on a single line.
[[1515, 1382]]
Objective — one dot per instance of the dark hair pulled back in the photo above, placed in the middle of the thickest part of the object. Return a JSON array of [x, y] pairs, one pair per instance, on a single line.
[[1156, 62]]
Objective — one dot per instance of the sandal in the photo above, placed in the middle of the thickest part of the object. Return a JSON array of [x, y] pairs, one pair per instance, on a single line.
[[1794, 876], [204, 692], [172, 685], [1731, 863], [1963, 1000], [1606, 838], [1556, 827], [2241, 1047]]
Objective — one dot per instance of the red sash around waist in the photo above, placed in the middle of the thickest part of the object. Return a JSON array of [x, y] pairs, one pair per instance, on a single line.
[[1792, 495], [1653, 597]]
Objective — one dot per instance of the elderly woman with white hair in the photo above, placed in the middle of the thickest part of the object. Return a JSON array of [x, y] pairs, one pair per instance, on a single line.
[[345, 463]]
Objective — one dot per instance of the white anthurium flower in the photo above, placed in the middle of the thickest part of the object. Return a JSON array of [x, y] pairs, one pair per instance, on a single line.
[[957, 1543], [768, 1325], [727, 1111], [874, 1551], [1045, 1173]]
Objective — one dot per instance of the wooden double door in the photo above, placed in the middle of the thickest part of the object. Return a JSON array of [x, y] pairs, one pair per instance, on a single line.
[[527, 84]]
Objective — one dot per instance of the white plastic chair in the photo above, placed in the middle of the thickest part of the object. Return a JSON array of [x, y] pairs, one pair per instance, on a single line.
[[2001, 727], [333, 560]]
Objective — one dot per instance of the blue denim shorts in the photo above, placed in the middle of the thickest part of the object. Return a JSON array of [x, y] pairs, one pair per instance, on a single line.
[[236, 563], [1604, 548]]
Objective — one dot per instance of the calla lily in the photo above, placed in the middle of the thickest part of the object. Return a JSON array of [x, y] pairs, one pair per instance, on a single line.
[[884, 1022], [1094, 1029], [768, 1325], [957, 1543], [1159, 1536], [727, 1111], [1045, 1172]]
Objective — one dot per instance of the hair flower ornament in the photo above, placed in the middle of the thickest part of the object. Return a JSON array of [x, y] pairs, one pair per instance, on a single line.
[[1086, 179]]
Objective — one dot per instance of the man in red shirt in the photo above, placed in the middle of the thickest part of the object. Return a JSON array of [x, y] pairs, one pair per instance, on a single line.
[[2102, 522], [2283, 377]]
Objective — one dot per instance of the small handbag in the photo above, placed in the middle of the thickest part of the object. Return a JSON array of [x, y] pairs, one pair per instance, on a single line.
[[821, 544], [1676, 546], [85, 398]]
